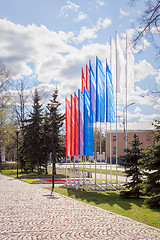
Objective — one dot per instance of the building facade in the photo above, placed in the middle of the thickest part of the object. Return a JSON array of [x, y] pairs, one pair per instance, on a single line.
[[145, 137]]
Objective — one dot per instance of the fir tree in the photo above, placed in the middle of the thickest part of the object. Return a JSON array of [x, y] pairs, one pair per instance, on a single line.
[[151, 163], [132, 168], [31, 146], [46, 140], [58, 124]]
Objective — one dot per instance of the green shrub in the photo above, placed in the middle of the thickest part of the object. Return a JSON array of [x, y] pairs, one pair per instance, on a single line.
[[154, 202], [9, 166]]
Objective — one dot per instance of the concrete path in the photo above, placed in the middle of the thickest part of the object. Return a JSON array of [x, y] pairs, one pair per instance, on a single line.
[[29, 212]]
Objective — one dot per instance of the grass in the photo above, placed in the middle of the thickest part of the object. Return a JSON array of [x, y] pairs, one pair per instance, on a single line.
[[136, 209], [30, 175], [27, 180]]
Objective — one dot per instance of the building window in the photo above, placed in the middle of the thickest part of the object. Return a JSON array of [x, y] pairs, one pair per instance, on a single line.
[[147, 137], [114, 138], [114, 150]]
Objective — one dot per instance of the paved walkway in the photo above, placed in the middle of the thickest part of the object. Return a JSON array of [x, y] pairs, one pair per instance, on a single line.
[[29, 212]]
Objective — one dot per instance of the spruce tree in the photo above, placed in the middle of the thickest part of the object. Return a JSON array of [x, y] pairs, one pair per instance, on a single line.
[[31, 146], [130, 161], [46, 139], [58, 125], [151, 164]]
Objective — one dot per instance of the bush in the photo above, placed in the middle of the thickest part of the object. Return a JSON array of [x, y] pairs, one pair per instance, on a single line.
[[154, 202], [9, 166]]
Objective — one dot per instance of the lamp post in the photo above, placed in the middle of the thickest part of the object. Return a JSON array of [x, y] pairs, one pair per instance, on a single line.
[[17, 132], [52, 107], [1, 154], [125, 129]]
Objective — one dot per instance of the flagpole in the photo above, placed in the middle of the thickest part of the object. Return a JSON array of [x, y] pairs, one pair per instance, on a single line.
[[116, 110], [78, 172], [70, 171], [74, 169], [110, 149], [106, 154], [95, 155], [106, 122], [100, 154], [106, 119], [126, 89]]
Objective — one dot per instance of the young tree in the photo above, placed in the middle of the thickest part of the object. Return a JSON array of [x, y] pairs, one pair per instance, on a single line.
[[151, 163], [46, 139], [31, 145], [132, 168], [5, 113]]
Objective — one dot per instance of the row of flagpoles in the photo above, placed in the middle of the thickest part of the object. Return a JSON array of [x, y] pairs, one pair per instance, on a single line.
[[97, 101]]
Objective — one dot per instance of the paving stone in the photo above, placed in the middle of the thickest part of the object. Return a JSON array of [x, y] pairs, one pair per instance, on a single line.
[[30, 212]]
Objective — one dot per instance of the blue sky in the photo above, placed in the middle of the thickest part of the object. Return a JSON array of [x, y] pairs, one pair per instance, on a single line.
[[48, 42]]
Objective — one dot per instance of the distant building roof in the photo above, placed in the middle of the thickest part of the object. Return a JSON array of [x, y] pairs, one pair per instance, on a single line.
[[131, 126]]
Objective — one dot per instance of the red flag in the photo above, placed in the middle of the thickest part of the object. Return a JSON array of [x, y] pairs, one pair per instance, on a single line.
[[87, 78], [68, 127], [72, 125], [76, 146], [83, 81]]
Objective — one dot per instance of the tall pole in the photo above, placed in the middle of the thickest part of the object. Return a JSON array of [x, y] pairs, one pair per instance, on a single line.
[[116, 112], [125, 122], [53, 149], [52, 107], [17, 132]]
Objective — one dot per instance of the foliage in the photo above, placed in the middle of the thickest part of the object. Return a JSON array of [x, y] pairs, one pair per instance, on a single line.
[[59, 140], [154, 202], [6, 123], [151, 164], [46, 139], [103, 141], [130, 161], [37, 137], [31, 146], [6, 165]]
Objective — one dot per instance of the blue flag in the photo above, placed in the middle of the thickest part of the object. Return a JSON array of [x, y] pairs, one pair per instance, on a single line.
[[81, 122], [88, 125], [110, 111], [100, 92], [93, 92]]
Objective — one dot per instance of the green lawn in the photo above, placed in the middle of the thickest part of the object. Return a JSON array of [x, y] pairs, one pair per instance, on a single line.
[[136, 209], [31, 175]]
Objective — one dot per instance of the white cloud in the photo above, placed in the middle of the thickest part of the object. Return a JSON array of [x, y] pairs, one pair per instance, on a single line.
[[70, 6], [123, 13], [90, 33], [100, 2], [81, 16], [142, 70], [137, 110], [158, 78], [35, 51]]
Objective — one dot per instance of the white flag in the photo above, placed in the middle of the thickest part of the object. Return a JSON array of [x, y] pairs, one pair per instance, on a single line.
[[130, 66], [113, 63], [121, 66]]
